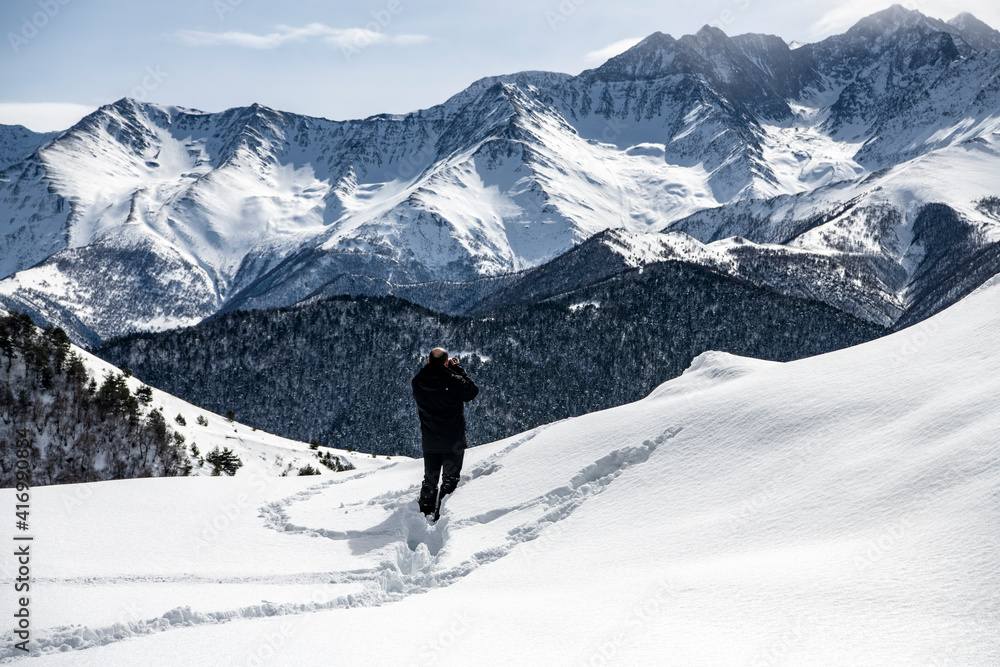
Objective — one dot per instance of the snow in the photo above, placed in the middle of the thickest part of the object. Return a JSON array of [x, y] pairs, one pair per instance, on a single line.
[[639, 250], [583, 305], [263, 455], [154, 187], [907, 188], [803, 157], [18, 142], [836, 510], [870, 217], [217, 200], [502, 177]]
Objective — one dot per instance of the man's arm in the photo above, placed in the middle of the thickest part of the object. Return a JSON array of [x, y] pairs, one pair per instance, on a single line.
[[467, 389]]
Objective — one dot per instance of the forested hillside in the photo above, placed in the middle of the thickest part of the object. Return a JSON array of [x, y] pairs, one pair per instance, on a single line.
[[339, 369], [81, 428]]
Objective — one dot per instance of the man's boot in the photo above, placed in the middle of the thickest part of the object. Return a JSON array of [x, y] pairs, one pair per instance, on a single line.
[[428, 499]]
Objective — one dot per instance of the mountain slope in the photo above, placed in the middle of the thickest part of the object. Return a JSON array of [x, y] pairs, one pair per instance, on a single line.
[[18, 142], [833, 510], [890, 238], [826, 154]]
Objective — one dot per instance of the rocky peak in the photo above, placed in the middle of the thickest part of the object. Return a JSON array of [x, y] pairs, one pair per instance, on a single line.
[[975, 33]]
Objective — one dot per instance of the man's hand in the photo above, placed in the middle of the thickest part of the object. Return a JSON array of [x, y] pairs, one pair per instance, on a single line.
[[453, 366]]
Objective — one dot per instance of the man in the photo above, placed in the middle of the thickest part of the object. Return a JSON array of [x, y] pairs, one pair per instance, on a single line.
[[441, 389]]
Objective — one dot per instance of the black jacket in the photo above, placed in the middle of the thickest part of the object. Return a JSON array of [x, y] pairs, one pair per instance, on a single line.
[[441, 393]]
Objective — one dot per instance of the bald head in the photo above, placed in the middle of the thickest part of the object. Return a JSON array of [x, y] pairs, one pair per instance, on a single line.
[[439, 355]]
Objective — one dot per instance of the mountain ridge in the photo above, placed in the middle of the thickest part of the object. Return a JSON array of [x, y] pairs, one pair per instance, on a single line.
[[257, 208]]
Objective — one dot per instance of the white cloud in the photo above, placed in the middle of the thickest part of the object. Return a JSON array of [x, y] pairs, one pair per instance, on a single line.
[[344, 38], [43, 116], [354, 37], [602, 55]]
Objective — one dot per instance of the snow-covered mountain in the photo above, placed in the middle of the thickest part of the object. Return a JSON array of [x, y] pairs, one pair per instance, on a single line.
[[836, 510], [18, 142], [829, 161]]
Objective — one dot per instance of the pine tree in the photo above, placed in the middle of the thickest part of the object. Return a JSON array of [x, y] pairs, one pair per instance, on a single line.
[[145, 394], [224, 461]]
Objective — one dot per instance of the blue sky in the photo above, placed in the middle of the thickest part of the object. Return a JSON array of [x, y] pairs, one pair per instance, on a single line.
[[62, 58]]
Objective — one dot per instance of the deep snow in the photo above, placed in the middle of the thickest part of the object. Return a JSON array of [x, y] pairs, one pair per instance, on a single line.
[[838, 510]]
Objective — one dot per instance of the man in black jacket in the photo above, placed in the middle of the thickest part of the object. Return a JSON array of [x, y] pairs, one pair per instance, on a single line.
[[441, 389]]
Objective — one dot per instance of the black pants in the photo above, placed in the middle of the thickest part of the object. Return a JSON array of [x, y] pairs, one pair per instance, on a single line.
[[447, 466]]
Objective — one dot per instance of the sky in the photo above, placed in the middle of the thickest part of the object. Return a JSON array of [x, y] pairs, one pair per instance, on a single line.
[[60, 59]]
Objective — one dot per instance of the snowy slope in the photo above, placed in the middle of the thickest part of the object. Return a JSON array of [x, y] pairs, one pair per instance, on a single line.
[[18, 142], [252, 207], [837, 510], [263, 455], [881, 234]]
